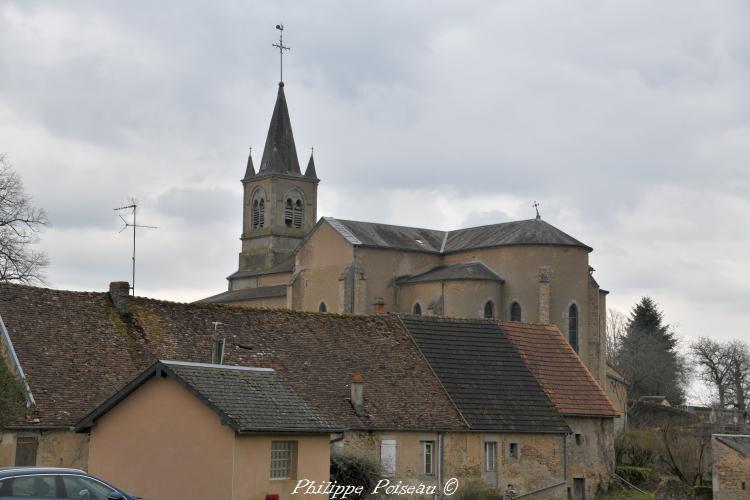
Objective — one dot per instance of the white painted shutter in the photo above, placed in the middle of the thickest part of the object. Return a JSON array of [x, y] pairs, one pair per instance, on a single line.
[[388, 456]]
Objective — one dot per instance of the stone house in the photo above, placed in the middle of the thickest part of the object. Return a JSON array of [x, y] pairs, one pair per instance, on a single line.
[[429, 398], [584, 405], [731, 466], [526, 270], [207, 431]]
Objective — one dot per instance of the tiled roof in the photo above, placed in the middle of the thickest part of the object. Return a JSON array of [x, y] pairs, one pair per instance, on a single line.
[[739, 443], [77, 350], [484, 375], [463, 271], [523, 232], [564, 377], [262, 292], [247, 399]]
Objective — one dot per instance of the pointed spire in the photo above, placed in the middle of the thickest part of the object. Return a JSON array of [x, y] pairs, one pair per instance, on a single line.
[[250, 170], [310, 170], [280, 154]]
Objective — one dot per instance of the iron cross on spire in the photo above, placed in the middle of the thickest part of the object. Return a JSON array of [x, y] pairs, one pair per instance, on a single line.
[[536, 206], [281, 48]]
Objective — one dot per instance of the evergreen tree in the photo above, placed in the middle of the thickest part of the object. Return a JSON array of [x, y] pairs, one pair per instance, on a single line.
[[649, 355]]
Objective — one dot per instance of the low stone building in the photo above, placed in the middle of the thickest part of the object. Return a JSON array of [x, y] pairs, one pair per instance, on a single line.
[[192, 431], [429, 398], [586, 408], [731, 466]]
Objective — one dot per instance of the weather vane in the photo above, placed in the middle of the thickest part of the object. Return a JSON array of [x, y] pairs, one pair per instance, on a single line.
[[536, 207], [281, 48], [134, 207]]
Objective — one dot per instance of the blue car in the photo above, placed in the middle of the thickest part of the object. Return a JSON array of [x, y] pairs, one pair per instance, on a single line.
[[41, 483]]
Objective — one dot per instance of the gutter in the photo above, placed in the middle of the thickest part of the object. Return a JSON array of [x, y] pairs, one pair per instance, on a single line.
[[16, 365]]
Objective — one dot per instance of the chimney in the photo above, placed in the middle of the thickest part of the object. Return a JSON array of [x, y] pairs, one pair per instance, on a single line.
[[358, 396], [119, 292]]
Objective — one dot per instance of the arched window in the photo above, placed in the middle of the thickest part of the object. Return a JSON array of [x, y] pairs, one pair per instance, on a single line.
[[294, 209], [322, 307], [489, 310], [255, 213], [417, 309], [515, 311], [259, 213], [298, 214], [288, 213], [573, 326]]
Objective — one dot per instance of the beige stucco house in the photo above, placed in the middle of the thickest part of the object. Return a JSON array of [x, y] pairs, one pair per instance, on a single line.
[[526, 270], [182, 431]]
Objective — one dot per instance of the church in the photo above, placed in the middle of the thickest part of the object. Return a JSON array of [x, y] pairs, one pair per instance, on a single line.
[[526, 271]]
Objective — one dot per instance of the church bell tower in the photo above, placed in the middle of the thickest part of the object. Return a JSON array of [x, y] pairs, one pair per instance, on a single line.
[[280, 202]]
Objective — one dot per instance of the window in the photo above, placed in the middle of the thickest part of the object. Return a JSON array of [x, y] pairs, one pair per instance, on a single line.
[[259, 212], [294, 211], [490, 456], [489, 310], [388, 456], [26, 447], [298, 214], [42, 486], [515, 311], [579, 439], [84, 487], [322, 307], [573, 326], [428, 458], [289, 213], [417, 309], [513, 451], [282, 459]]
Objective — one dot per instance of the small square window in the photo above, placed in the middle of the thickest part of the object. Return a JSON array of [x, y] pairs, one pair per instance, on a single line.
[[579, 439], [428, 458], [490, 456], [283, 456], [513, 450], [744, 485]]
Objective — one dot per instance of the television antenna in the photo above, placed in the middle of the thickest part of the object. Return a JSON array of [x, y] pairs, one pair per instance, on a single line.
[[134, 207]]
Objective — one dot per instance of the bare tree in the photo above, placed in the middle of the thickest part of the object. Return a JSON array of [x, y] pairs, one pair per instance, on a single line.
[[739, 374], [714, 362], [20, 224], [616, 328]]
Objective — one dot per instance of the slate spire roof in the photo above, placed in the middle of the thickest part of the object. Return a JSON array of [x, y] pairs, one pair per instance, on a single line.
[[280, 154], [250, 170], [310, 170]]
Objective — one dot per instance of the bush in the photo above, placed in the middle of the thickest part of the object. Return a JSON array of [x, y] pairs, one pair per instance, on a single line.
[[637, 447], [672, 488], [12, 399], [703, 492], [476, 490], [638, 476], [355, 470]]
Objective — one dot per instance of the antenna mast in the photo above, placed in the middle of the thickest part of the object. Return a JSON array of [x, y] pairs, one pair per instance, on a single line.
[[134, 207]]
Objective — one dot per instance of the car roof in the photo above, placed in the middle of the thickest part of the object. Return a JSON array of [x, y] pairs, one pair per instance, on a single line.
[[25, 471]]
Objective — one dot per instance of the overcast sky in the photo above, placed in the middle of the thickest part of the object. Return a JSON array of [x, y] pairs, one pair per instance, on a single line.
[[629, 121]]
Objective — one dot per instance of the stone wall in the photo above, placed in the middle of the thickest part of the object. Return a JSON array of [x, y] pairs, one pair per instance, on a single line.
[[591, 452], [731, 472], [539, 463], [57, 448]]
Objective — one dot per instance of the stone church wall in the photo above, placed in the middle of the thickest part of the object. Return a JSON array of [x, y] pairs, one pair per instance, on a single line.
[[591, 452]]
